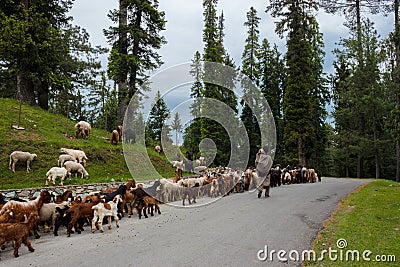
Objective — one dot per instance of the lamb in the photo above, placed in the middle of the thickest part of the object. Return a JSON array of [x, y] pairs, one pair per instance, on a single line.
[[55, 172], [82, 128], [21, 156], [77, 154], [74, 167], [114, 137], [18, 232], [63, 158], [109, 209]]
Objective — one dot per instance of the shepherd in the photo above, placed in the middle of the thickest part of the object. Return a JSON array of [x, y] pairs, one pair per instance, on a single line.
[[263, 165]]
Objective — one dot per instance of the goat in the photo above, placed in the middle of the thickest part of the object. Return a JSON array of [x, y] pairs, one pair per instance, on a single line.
[[23, 157], [18, 232], [20, 209], [109, 209]]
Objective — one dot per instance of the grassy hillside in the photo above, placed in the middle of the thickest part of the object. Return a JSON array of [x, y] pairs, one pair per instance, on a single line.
[[44, 135]]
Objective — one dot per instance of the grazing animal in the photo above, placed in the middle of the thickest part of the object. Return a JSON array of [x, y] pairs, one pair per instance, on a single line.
[[119, 130], [79, 155], [82, 128], [75, 214], [109, 209], [20, 209], [157, 149], [18, 232], [23, 157], [114, 137], [66, 196], [55, 172], [129, 136], [74, 167], [63, 158]]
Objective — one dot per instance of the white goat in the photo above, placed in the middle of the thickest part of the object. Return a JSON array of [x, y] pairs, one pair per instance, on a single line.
[[179, 165], [109, 209], [74, 167], [55, 172], [78, 154], [21, 156], [63, 158]]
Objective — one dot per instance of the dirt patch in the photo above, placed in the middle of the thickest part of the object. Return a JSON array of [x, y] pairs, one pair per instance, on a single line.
[[24, 135]]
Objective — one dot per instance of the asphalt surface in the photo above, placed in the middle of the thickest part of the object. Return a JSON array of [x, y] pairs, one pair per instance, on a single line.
[[233, 231]]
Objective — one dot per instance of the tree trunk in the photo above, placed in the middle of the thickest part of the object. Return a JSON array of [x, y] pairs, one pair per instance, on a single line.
[[43, 98], [123, 50], [360, 156], [397, 80], [25, 89]]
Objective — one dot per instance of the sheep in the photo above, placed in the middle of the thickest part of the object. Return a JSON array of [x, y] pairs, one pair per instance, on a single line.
[[157, 149], [21, 156], [114, 137], [74, 167], [109, 209], [78, 154], [119, 130], [129, 136], [22, 208], [63, 158], [55, 172], [18, 232], [82, 128]]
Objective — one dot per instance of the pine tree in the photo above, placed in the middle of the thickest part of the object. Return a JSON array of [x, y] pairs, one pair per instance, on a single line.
[[251, 68], [157, 118], [133, 55], [176, 126], [303, 76]]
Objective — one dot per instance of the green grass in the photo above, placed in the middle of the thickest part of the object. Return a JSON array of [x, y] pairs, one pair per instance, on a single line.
[[44, 135], [368, 219]]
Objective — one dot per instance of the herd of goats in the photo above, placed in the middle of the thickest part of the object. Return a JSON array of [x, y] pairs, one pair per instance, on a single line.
[[20, 218]]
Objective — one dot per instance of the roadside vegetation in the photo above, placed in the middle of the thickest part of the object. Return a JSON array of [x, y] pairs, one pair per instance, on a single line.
[[368, 220]]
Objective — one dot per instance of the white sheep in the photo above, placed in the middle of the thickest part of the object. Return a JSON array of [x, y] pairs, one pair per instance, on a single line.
[[21, 156], [78, 154], [63, 158], [55, 172], [82, 128], [75, 167], [157, 149]]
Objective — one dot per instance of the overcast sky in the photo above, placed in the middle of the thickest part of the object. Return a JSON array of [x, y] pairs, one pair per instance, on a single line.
[[185, 24]]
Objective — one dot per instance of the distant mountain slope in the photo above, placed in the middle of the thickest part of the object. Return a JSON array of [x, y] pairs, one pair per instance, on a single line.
[[44, 135]]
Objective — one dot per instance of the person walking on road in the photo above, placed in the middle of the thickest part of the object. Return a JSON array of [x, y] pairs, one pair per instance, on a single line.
[[263, 165]]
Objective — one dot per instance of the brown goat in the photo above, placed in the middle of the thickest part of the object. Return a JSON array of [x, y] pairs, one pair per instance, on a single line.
[[18, 232], [76, 212], [20, 209]]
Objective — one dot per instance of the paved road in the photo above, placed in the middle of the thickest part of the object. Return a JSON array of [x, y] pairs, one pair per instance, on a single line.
[[229, 232]]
